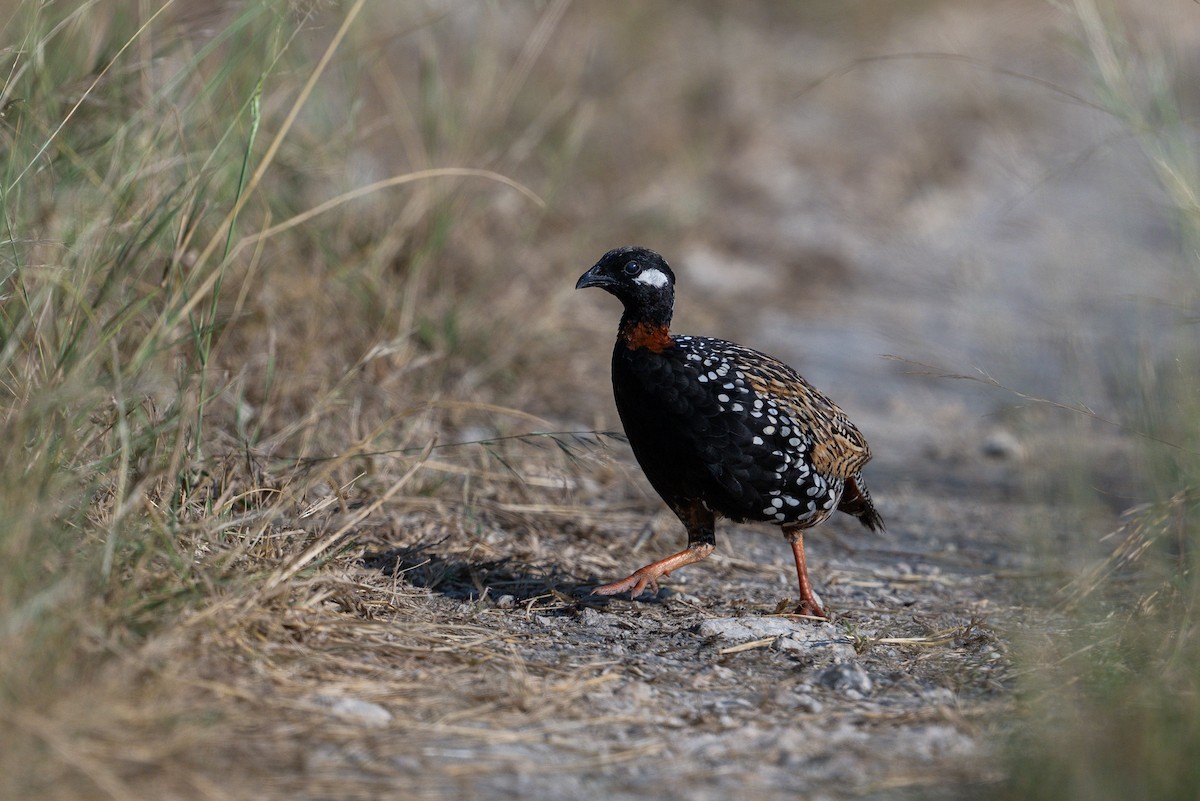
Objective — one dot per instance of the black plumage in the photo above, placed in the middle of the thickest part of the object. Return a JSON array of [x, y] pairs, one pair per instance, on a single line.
[[723, 430]]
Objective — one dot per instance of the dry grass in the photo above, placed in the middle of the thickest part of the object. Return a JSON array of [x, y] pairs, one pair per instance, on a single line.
[[177, 344]]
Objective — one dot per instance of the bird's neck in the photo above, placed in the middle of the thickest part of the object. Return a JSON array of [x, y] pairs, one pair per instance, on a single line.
[[652, 334]]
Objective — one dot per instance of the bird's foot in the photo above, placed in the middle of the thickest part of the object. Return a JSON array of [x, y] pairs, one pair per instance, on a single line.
[[810, 608], [634, 584], [649, 575]]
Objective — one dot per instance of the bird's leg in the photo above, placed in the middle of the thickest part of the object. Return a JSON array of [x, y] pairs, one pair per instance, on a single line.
[[809, 605], [702, 541]]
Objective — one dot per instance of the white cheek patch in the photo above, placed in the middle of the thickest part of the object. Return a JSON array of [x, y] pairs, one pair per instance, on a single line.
[[652, 277]]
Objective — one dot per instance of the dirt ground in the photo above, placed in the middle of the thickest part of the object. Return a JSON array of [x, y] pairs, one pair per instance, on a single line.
[[706, 692], [950, 210]]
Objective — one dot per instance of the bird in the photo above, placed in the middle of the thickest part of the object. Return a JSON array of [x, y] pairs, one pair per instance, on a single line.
[[721, 430]]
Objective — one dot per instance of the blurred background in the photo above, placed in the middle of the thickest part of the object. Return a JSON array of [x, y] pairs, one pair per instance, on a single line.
[[261, 257]]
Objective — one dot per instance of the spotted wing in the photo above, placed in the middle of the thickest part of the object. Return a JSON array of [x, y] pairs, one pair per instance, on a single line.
[[776, 447], [838, 449]]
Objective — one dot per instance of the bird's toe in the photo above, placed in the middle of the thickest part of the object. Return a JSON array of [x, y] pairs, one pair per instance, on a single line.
[[635, 584]]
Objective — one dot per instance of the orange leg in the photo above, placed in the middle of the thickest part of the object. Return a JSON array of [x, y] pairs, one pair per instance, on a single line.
[[649, 575], [809, 605]]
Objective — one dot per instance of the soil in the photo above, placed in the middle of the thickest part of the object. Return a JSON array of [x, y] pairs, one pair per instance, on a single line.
[[712, 690]]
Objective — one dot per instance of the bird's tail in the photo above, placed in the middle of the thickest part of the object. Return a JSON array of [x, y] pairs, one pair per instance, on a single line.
[[857, 501]]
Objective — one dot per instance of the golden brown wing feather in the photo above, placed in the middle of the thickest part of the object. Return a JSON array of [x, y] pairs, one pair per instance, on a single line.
[[838, 447]]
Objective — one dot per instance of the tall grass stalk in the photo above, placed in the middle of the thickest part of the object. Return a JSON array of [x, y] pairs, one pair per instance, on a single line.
[[148, 188], [1114, 697], [161, 269], [99, 209]]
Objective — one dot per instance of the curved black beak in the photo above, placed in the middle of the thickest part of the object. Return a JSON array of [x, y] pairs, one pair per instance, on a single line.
[[593, 277]]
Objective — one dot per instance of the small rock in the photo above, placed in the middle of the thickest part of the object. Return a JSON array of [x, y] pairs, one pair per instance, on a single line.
[[506, 602], [831, 648], [638, 691], [355, 709], [938, 742], [941, 696], [745, 629], [806, 703], [477, 434], [1002, 444], [846, 677], [720, 673], [593, 619], [821, 643]]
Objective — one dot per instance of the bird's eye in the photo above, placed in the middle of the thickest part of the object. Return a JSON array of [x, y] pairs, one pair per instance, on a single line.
[[632, 268]]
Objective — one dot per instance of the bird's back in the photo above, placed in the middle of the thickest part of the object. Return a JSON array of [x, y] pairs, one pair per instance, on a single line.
[[736, 428]]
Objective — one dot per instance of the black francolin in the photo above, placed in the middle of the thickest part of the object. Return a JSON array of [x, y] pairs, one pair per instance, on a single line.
[[723, 430]]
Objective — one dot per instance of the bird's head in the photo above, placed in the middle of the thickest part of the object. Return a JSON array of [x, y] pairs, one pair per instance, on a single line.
[[640, 279]]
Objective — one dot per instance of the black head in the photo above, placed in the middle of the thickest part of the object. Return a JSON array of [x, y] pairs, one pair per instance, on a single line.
[[641, 280]]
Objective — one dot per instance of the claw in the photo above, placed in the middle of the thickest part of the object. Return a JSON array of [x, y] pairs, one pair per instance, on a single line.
[[649, 575], [635, 583], [808, 609]]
